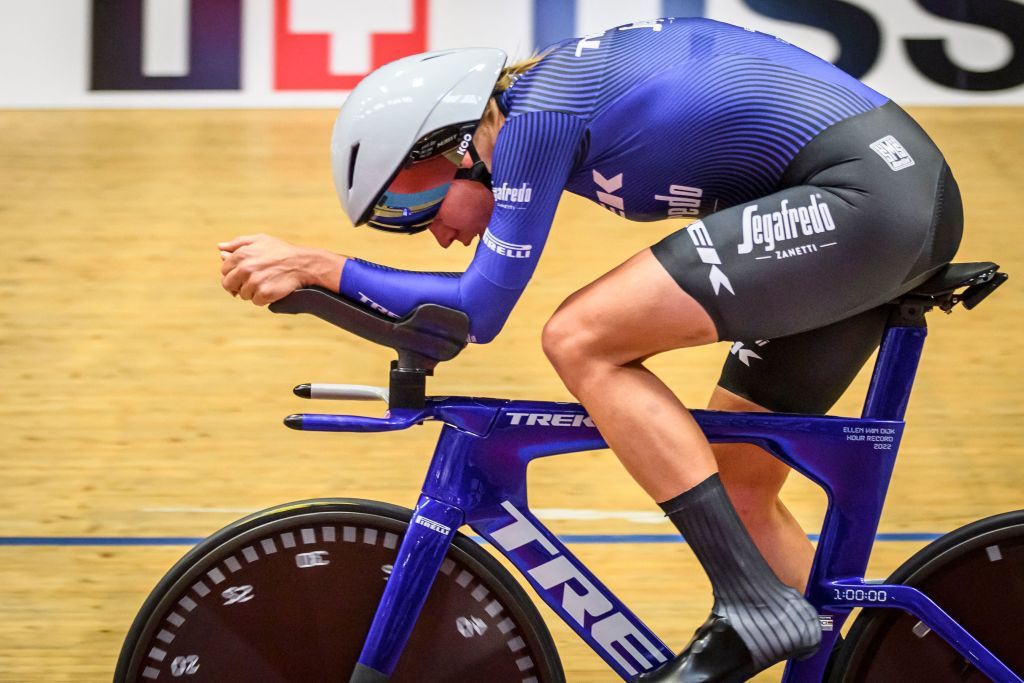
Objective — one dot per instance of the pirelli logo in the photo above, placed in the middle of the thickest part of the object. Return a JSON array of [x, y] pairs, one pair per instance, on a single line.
[[506, 249], [434, 526]]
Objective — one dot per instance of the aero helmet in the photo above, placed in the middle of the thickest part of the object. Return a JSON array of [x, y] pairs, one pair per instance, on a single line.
[[411, 119]]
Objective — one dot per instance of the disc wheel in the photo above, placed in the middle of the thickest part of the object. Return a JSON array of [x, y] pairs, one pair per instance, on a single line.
[[976, 574], [288, 594]]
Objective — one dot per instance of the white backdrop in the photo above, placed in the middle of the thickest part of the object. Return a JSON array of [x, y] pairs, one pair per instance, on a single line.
[[45, 45]]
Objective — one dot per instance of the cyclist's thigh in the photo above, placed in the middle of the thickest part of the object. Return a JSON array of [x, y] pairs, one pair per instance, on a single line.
[[805, 372], [846, 234], [761, 276]]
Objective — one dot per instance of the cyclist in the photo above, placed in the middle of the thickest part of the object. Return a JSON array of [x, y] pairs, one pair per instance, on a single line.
[[818, 200]]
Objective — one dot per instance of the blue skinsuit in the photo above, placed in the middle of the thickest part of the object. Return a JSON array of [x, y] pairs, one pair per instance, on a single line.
[[676, 118]]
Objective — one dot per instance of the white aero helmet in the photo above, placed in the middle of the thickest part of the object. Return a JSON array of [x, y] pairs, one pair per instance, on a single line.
[[405, 126]]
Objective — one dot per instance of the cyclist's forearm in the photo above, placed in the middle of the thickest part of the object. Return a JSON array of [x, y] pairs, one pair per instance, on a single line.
[[396, 292]]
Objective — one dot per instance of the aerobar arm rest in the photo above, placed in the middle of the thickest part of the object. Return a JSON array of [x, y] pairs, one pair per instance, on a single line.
[[423, 338]]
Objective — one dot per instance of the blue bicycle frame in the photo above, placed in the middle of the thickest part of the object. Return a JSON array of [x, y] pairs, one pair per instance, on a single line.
[[478, 477]]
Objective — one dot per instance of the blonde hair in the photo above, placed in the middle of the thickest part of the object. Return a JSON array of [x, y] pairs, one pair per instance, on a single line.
[[492, 119], [511, 73]]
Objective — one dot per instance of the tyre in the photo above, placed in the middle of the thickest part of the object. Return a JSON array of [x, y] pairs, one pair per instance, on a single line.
[[288, 594], [976, 574]]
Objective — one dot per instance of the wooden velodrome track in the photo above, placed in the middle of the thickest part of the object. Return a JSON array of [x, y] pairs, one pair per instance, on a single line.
[[139, 400]]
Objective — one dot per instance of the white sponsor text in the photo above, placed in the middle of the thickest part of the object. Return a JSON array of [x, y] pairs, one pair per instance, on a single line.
[[550, 420], [507, 249], [613, 632], [770, 228]]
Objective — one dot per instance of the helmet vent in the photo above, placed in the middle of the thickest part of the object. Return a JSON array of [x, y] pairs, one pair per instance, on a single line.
[[352, 164]]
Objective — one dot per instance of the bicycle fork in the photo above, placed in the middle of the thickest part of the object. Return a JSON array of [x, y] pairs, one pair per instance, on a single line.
[[419, 558]]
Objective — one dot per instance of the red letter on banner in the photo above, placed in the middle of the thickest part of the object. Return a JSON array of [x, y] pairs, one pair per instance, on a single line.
[[302, 60]]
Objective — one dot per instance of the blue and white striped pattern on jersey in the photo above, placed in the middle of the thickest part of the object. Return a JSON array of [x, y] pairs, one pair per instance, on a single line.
[[689, 102], [583, 76]]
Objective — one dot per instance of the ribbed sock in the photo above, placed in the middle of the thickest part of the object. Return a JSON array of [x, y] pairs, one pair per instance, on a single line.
[[773, 619]]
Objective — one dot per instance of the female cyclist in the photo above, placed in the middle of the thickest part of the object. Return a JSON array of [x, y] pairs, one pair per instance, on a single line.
[[818, 201]]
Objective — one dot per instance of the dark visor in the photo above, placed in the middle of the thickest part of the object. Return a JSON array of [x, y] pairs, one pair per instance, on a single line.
[[413, 197]]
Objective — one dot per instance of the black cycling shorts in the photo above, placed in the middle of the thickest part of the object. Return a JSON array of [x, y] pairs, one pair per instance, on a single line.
[[865, 212]]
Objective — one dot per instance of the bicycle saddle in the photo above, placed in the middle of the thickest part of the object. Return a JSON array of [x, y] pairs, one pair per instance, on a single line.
[[980, 279]]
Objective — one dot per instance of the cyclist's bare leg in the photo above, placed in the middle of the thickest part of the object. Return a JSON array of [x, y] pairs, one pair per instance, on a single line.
[[597, 341], [753, 479]]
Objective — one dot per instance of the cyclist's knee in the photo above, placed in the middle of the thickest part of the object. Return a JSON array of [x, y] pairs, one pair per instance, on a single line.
[[577, 351], [567, 342]]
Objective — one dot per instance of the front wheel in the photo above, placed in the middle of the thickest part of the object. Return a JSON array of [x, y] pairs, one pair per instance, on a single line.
[[976, 574], [288, 594]]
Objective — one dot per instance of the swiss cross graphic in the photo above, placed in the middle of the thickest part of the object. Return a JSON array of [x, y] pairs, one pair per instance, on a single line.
[[331, 45]]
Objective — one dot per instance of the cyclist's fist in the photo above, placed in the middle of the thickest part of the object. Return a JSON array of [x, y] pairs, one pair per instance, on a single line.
[[263, 269]]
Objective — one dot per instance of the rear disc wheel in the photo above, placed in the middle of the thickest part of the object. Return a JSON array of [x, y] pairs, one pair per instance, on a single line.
[[976, 574]]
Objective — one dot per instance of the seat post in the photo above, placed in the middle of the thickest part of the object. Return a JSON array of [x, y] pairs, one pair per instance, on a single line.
[[896, 366]]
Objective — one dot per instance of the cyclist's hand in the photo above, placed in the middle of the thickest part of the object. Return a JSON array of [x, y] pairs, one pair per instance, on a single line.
[[263, 269]]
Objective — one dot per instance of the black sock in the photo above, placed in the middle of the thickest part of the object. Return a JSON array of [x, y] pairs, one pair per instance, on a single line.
[[772, 618]]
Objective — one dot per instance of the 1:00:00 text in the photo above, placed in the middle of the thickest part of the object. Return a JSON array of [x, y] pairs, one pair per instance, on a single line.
[[859, 595]]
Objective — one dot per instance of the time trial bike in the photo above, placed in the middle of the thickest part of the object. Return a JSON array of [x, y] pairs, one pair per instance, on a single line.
[[365, 591]]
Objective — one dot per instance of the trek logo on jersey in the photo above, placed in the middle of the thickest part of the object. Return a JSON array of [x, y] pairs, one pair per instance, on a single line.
[[701, 239], [892, 153], [606, 196], [506, 249], [587, 42], [769, 229], [745, 355], [653, 24], [682, 200], [591, 40], [584, 600], [515, 195]]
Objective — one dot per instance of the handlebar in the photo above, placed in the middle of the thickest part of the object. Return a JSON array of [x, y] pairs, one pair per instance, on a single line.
[[425, 337]]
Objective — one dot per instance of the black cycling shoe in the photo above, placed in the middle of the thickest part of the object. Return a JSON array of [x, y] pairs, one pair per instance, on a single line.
[[715, 654]]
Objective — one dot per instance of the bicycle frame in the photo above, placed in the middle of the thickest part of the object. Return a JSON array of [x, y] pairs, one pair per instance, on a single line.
[[478, 477]]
